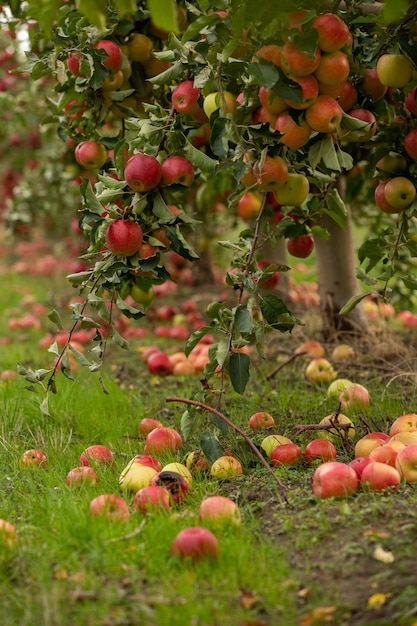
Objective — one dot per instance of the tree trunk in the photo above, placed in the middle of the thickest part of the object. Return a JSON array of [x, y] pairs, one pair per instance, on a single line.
[[336, 269]]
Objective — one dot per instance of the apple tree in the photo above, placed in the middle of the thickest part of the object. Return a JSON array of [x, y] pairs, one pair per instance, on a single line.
[[269, 105]]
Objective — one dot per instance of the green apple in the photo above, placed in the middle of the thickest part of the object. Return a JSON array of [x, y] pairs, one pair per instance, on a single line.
[[400, 192], [392, 163], [294, 191], [141, 296], [337, 386], [135, 476], [394, 70], [214, 101]]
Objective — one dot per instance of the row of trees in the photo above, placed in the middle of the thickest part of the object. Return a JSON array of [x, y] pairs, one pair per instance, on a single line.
[[289, 104]]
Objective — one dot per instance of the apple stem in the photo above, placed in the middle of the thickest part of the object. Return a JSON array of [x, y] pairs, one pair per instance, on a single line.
[[238, 430]]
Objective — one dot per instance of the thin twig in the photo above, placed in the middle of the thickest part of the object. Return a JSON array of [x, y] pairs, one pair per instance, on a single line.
[[281, 366], [130, 535]]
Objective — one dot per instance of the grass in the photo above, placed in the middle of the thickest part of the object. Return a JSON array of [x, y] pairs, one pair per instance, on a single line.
[[308, 563]]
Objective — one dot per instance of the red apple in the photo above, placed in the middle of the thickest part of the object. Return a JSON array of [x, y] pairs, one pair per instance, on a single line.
[[271, 441], [114, 60], [143, 172], [261, 419], [161, 440], [219, 509], [293, 134], [354, 396], [309, 92], [334, 34], [319, 450], [271, 102], [34, 458], [91, 155], [97, 455], [148, 460], [311, 347], [296, 62], [83, 475], [365, 445], [381, 201], [271, 173], [159, 364], [372, 86], [286, 454], [333, 68], [387, 452], [73, 63], [111, 506], [124, 237], [151, 498], [177, 170], [359, 464], [334, 480], [249, 205], [195, 543], [410, 144], [324, 115], [147, 424], [301, 246], [406, 463], [348, 96], [379, 476], [185, 98], [272, 281], [410, 101], [270, 52], [173, 482]]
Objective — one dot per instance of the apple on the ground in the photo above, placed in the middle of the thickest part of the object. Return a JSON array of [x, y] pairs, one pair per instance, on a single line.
[[195, 543], [226, 467], [379, 477], [215, 508], [111, 506], [334, 479]]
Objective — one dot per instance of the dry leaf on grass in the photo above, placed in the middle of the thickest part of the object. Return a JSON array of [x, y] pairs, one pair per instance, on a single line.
[[384, 556], [319, 616]]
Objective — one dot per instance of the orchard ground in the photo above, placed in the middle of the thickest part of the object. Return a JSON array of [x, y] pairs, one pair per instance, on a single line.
[[304, 563]]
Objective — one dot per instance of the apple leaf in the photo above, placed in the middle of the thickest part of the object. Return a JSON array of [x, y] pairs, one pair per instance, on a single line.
[[239, 365], [353, 302], [243, 319], [199, 159], [126, 6], [94, 10], [79, 356], [128, 310], [179, 244], [329, 155], [222, 351], [195, 338], [189, 422], [45, 12], [44, 406], [164, 14], [211, 446], [276, 313], [336, 208], [55, 318]]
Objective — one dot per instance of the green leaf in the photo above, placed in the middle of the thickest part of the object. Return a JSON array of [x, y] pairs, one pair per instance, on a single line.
[[44, 406], [45, 12], [329, 155], [394, 10], [119, 340], [222, 351], [95, 11], [90, 197], [243, 319], [170, 74], [128, 310], [276, 314], [195, 338], [336, 208], [353, 302], [199, 159], [161, 210], [79, 356], [55, 318], [179, 244], [211, 446], [164, 14], [126, 6], [239, 365]]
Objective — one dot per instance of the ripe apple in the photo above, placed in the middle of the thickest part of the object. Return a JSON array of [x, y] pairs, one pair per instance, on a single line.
[[162, 440], [147, 424], [269, 52], [407, 438], [312, 347], [334, 434], [404, 423], [148, 460], [226, 467], [400, 192], [394, 70], [410, 102], [180, 469], [410, 144], [151, 498], [354, 396], [334, 479], [271, 441], [372, 86], [333, 68], [366, 445], [111, 506], [33, 458], [359, 464], [320, 371], [381, 201], [406, 463], [261, 419], [83, 475], [293, 191], [185, 99], [97, 455], [139, 48], [286, 454], [249, 205], [319, 450], [195, 543], [296, 62], [159, 364], [379, 477], [114, 60], [361, 134], [293, 134], [73, 63], [334, 34], [143, 172], [135, 476], [347, 96], [343, 352], [392, 163], [8, 535], [387, 452], [271, 173], [219, 509], [91, 155], [124, 237], [225, 101], [176, 484], [271, 102], [309, 92], [177, 170], [324, 115]]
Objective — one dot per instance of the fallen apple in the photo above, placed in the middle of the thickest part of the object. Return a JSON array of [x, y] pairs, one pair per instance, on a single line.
[[226, 467], [176, 484], [111, 506], [271, 441], [83, 475], [406, 463], [8, 535], [261, 419], [135, 476], [379, 477], [151, 498], [334, 479], [286, 454], [195, 543], [319, 450], [33, 458], [219, 509], [96, 455]]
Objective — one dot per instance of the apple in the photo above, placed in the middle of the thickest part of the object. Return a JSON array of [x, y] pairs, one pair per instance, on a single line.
[[147, 424], [381, 201], [343, 352], [159, 364], [312, 347], [334, 479], [219, 509], [142, 296], [293, 133], [269, 52], [73, 63], [185, 99], [176, 484], [379, 477], [249, 205], [271, 173], [83, 475], [148, 460], [359, 464], [333, 68], [226, 467], [334, 34], [372, 86], [162, 440], [410, 144], [286, 454], [365, 445], [296, 62], [271, 102], [354, 396], [407, 438], [387, 452], [113, 82], [335, 435], [154, 66], [406, 463], [111, 506], [97, 455], [410, 102], [271, 441], [197, 461], [400, 192], [261, 419], [324, 115], [347, 96], [361, 134], [394, 70], [114, 60], [151, 498], [195, 543], [294, 191], [143, 172], [139, 47], [404, 423], [392, 163], [8, 535], [224, 101], [319, 450], [135, 476], [309, 92], [320, 371], [124, 237], [91, 155], [177, 170], [180, 469], [33, 458]]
